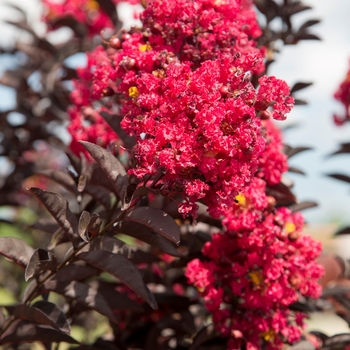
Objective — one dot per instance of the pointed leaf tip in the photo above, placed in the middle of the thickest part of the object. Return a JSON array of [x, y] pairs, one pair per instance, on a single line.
[[120, 267], [112, 167], [157, 220], [16, 250]]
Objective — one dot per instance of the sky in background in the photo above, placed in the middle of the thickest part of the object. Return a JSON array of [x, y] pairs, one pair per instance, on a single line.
[[325, 64]]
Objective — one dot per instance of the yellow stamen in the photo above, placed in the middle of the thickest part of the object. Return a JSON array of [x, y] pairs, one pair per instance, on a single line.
[[92, 5], [200, 289], [134, 92], [241, 200], [145, 47], [256, 278], [289, 227], [268, 336]]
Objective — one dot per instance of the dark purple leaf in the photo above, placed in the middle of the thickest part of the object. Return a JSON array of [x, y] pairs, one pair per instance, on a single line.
[[2, 319], [337, 342], [54, 313], [23, 25], [9, 79], [302, 206], [115, 299], [116, 246], [99, 345], [41, 260], [178, 302], [45, 225], [110, 165], [109, 8], [323, 337], [114, 122], [61, 178], [295, 170], [82, 293], [335, 291], [78, 28], [282, 194], [75, 273], [121, 268], [204, 335], [343, 231], [59, 237], [306, 36], [292, 151], [31, 287], [100, 194], [133, 194], [308, 24], [268, 7], [157, 220], [94, 225], [302, 307], [299, 86], [40, 43], [94, 175], [296, 8], [78, 164], [68, 73], [144, 234], [58, 208], [83, 225], [344, 148], [35, 314], [298, 102], [28, 333], [130, 189], [340, 177], [16, 250]]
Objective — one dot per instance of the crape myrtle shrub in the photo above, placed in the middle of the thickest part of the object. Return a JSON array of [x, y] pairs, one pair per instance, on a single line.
[[165, 219]]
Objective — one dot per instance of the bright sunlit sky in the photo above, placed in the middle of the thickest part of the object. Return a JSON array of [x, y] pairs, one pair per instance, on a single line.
[[325, 64]]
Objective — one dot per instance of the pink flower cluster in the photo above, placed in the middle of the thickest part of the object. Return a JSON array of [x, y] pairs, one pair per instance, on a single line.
[[255, 270], [203, 137], [87, 12], [343, 96], [183, 82]]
